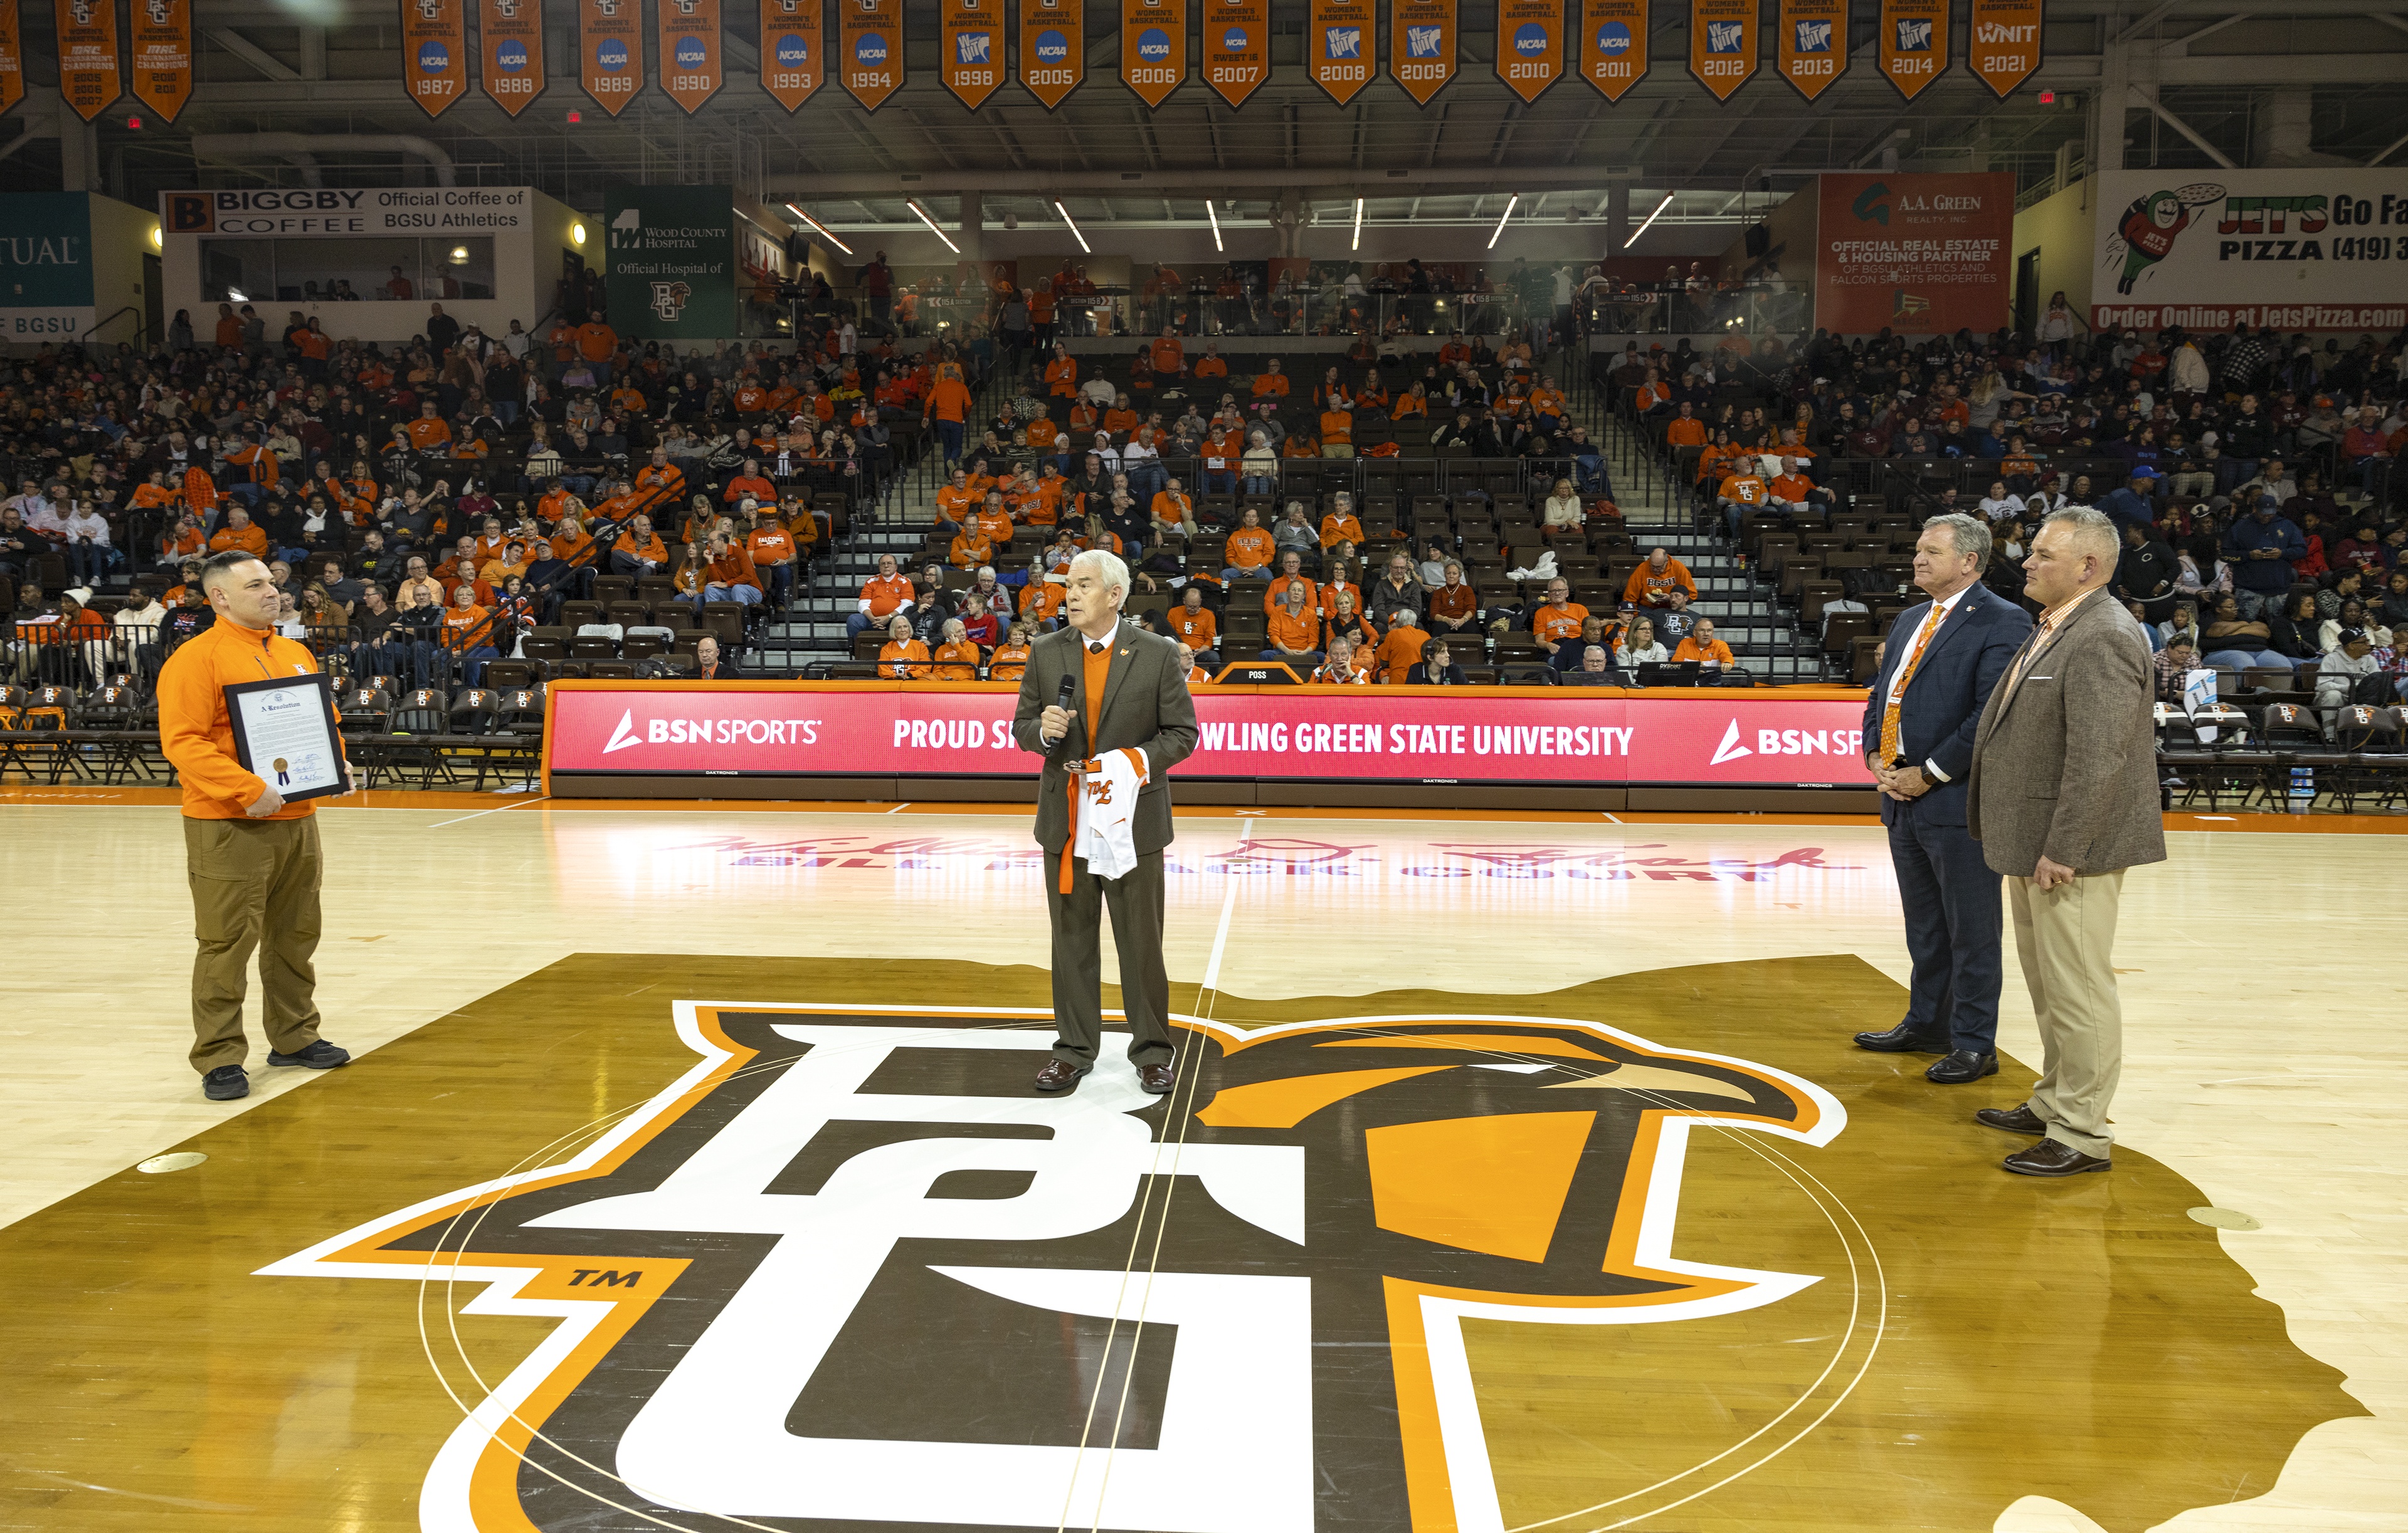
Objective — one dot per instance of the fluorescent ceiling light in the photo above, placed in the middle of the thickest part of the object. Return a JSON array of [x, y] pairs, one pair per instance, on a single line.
[[1500, 222], [1074, 228], [1216, 226], [826, 233], [940, 234], [1358, 225], [1651, 221]]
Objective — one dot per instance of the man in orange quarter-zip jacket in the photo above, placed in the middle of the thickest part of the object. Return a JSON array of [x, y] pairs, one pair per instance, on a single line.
[[251, 859]]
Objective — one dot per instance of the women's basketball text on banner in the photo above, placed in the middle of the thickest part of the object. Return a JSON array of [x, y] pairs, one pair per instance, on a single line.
[[1613, 45]]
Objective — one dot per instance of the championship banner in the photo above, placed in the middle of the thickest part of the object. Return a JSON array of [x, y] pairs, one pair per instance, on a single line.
[[793, 32], [1811, 48], [87, 34], [1613, 45], [162, 55], [866, 729], [434, 53], [1153, 48], [1053, 49], [1421, 45], [1529, 45], [2005, 47], [1338, 46], [1925, 254], [870, 50], [1913, 43], [969, 49], [12, 56], [611, 38], [1237, 47], [1722, 44], [693, 57], [509, 34], [2312, 250]]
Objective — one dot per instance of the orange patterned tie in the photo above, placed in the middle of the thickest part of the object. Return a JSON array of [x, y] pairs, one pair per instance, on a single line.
[[1905, 677]]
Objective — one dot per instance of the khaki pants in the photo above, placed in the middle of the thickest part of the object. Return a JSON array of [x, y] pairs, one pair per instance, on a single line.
[[2066, 938], [1135, 900], [254, 885]]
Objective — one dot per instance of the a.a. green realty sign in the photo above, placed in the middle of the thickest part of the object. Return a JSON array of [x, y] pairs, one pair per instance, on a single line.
[[44, 266], [672, 261]]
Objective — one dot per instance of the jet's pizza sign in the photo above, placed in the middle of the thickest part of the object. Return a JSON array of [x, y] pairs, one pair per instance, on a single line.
[[900, 1290], [2299, 250]]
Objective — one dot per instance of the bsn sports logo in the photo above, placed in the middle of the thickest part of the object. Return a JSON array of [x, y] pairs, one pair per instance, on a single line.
[[1725, 37], [692, 52], [1422, 42], [434, 58], [972, 47], [1234, 40], [1814, 37], [611, 53], [1913, 37], [794, 50], [1052, 48], [870, 49], [669, 299], [1341, 42], [1531, 40], [512, 55], [1153, 45], [1845, 743], [1613, 39], [827, 1178]]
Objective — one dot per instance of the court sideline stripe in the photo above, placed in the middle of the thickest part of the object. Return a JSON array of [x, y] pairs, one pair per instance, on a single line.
[[481, 813]]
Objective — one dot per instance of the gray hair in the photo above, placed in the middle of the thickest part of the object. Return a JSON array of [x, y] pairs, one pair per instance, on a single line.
[[1967, 534], [1108, 567], [2091, 532]]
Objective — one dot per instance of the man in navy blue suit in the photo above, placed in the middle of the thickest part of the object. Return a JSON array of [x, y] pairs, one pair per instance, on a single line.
[[1938, 665]]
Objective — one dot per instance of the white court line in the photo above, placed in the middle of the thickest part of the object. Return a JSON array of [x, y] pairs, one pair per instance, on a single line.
[[1614, 819], [1220, 934], [900, 808], [481, 813]]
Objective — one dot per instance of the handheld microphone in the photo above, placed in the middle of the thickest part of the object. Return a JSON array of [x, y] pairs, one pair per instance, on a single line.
[[1062, 696]]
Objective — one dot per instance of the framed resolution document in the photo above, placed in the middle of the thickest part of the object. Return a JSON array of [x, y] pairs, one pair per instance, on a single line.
[[284, 731]]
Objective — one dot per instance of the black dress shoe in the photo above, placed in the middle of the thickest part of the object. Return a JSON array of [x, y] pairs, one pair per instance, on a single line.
[[1962, 1066], [1157, 1079], [2051, 1158], [1901, 1040], [321, 1056], [226, 1083], [1060, 1075], [2015, 1120]]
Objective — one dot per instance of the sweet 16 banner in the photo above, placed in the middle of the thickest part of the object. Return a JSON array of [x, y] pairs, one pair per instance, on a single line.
[[773, 729]]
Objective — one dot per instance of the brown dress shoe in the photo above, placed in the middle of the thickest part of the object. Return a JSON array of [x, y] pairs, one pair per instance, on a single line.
[[1060, 1075], [2051, 1158], [1157, 1079], [2019, 1119]]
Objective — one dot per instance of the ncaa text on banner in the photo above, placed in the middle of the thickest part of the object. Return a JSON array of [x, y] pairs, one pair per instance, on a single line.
[[611, 42], [1613, 45], [162, 55], [693, 57], [1722, 44], [1421, 45], [2003, 43], [1340, 44], [870, 50], [1811, 44], [1053, 49], [1237, 47], [1529, 45], [1153, 48], [1913, 43], [793, 36], [434, 53], [87, 34], [511, 37]]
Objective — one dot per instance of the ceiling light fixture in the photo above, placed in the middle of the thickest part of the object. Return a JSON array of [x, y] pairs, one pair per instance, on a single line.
[[914, 205], [826, 233], [1499, 232], [1651, 221], [1216, 226], [1074, 228], [1357, 243]]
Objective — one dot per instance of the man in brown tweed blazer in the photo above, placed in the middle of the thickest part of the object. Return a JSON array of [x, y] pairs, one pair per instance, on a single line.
[[2063, 797]]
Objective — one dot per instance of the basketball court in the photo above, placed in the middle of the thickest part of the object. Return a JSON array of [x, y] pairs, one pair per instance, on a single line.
[[1520, 1176]]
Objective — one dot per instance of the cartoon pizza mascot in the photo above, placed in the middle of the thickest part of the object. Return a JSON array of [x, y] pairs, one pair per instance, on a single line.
[[2149, 225]]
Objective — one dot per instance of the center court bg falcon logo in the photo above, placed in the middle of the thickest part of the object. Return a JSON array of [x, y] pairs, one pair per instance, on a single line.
[[846, 1271]]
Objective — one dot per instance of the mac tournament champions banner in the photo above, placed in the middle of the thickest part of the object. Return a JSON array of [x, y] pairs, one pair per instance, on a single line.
[[2207, 250], [672, 272], [1920, 253]]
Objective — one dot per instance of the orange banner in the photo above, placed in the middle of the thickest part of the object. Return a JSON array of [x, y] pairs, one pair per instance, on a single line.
[[12, 56], [1913, 43], [694, 57], [870, 50], [1613, 45], [1421, 45], [611, 39], [1053, 49], [793, 33], [969, 49], [1811, 44], [1237, 47], [1722, 44], [509, 36], [1529, 45], [434, 54], [1153, 48], [2003, 43], [162, 55], [1339, 43], [87, 34]]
